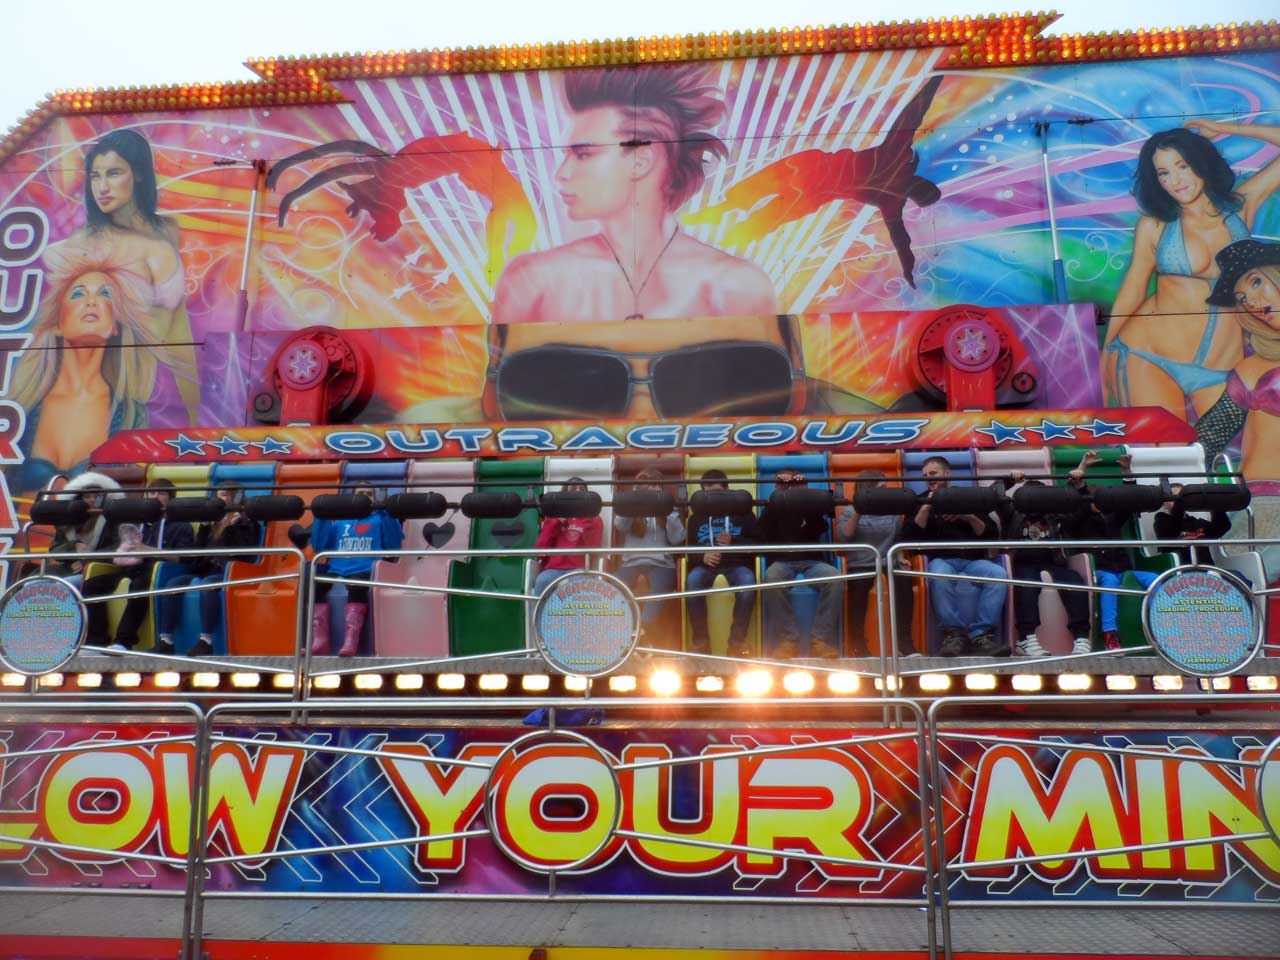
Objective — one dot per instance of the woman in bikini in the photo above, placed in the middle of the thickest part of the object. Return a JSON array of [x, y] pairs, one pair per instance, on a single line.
[[1164, 349], [1249, 287], [120, 197]]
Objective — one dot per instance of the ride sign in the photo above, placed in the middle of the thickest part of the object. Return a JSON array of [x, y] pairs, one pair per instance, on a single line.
[[1203, 621], [585, 624], [42, 625]]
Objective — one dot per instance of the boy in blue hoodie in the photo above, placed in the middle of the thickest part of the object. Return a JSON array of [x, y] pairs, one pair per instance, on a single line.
[[378, 531]]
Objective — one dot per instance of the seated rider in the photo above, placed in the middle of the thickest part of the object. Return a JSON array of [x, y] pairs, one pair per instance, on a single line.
[[738, 568], [566, 533]]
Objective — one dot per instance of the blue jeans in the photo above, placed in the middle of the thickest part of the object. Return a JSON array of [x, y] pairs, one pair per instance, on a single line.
[[1108, 603], [210, 604], [546, 578], [703, 577], [974, 608], [781, 615], [661, 578]]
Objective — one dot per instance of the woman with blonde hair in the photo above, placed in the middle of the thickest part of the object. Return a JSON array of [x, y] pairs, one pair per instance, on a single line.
[[1249, 285], [90, 368]]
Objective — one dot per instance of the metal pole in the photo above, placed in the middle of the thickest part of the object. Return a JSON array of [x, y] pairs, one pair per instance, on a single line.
[[242, 300], [1059, 273]]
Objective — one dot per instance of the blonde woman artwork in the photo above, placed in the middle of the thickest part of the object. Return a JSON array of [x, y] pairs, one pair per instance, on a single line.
[[91, 366], [1249, 287], [1165, 348], [120, 201]]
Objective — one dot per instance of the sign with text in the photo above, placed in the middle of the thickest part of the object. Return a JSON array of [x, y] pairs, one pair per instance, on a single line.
[[42, 624], [1202, 620], [585, 624]]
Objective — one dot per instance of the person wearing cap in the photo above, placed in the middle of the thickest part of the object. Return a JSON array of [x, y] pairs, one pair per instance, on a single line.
[[566, 533], [1249, 283]]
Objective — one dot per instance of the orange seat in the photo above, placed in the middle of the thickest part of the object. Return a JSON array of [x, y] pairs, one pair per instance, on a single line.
[[888, 462], [262, 617]]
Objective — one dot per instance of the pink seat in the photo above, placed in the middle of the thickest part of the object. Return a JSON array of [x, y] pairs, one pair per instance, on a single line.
[[415, 623]]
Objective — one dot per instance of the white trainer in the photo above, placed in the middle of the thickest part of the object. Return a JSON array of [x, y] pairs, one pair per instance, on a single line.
[[1082, 645], [1029, 646]]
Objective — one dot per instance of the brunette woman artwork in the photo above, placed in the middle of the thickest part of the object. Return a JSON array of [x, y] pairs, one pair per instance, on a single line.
[[91, 366], [1166, 349], [120, 201]]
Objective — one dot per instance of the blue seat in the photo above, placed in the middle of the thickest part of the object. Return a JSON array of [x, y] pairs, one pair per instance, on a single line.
[[804, 599]]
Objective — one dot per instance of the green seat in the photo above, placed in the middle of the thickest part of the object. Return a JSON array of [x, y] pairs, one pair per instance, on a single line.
[[478, 624]]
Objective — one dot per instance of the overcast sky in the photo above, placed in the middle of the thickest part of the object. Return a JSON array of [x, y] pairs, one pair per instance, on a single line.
[[79, 43]]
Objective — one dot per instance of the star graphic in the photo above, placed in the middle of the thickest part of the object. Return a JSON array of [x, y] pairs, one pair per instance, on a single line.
[[971, 344], [1001, 434], [1101, 428], [270, 445], [302, 364], [1049, 430], [185, 446], [228, 445]]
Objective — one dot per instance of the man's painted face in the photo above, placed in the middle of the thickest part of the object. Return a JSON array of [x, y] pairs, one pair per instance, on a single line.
[[596, 176], [111, 179], [1257, 292]]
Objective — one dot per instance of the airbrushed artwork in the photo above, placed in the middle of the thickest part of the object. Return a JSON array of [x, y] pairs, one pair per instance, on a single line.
[[749, 237]]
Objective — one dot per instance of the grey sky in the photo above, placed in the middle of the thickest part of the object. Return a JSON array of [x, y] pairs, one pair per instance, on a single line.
[[77, 43]]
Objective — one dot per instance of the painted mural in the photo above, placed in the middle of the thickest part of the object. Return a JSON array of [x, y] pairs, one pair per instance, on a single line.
[[830, 188]]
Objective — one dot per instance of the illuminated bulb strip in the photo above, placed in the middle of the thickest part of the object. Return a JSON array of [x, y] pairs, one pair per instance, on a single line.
[[13, 680], [368, 681], [492, 682], [450, 681], [980, 681], [52, 680], [1263, 684], [167, 679], [843, 683], [204, 681], [753, 683], [1215, 683], [1121, 682], [1027, 682], [1074, 682], [709, 684], [665, 683], [326, 681], [798, 683], [934, 682], [409, 681], [128, 680], [282, 681], [535, 682], [89, 680], [245, 681], [622, 683], [575, 684], [1167, 684]]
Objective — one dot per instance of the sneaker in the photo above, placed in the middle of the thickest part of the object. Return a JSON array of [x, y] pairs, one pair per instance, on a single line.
[[1112, 639], [201, 648], [823, 650], [986, 645], [164, 646], [786, 650], [118, 647], [912, 654], [1029, 646], [953, 643], [1082, 645]]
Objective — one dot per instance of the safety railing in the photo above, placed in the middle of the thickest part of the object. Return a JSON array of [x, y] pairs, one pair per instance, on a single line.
[[295, 676]]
